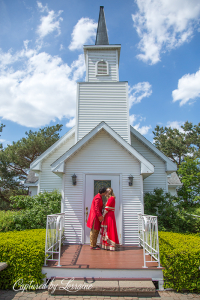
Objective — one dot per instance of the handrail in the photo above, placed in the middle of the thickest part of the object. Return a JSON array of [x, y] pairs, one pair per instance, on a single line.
[[148, 238], [54, 237]]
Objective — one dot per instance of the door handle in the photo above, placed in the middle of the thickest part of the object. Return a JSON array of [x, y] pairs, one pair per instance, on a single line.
[[86, 214]]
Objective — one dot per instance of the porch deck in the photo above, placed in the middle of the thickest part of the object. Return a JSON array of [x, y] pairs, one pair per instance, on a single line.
[[79, 261], [82, 257]]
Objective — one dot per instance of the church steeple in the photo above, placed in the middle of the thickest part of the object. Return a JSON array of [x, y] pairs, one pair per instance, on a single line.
[[102, 35]]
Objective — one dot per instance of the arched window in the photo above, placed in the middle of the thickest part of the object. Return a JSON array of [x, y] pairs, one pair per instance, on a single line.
[[102, 68]]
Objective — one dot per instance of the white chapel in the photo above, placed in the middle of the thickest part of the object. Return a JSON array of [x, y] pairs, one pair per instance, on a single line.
[[102, 149]]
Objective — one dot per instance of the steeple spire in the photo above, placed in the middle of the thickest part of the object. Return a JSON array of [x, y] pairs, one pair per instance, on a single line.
[[102, 35]]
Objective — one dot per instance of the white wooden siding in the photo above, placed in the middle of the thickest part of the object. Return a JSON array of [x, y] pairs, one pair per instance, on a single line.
[[32, 191], [172, 190], [103, 101], [102, 155], [111, 57], [159, 178], [48, 180]]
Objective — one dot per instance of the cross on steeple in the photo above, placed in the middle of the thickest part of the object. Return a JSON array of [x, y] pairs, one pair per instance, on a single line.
[[102, 35]]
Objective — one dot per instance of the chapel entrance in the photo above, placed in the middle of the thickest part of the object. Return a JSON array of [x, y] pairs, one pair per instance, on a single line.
[[93, 183]]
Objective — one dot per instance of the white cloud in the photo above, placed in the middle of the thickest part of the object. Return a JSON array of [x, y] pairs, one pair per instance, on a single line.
[[132, 119], [144, 129], [84, 32], [164, 25], [49, 23], [139, 91], [175, 124], [41, 7], [71, 123], [188, 88], [41, 90]]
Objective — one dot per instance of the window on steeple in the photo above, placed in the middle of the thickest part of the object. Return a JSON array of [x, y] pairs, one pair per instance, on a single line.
[[102, 68]]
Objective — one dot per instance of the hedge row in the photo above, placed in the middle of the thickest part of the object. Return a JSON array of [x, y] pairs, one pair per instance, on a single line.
[[24, 252], [180, 256]]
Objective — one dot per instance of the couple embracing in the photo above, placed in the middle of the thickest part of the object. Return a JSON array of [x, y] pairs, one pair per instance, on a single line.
[[105, 223]]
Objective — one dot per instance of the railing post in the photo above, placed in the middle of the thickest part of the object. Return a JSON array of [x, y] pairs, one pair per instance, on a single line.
[[149, 239], [158, 244], [143, 236], [45, 261], [54, 227]]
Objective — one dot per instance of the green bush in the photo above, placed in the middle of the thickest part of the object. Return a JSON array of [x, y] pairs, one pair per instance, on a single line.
[[7, 220], [194, 210], [33, 211], [24, 252], [170, 213], [180, 256]]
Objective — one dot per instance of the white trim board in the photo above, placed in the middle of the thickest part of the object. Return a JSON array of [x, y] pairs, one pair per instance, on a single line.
[[103, 273], [36, 164], [102, 47], [146, 167], [170, 166]]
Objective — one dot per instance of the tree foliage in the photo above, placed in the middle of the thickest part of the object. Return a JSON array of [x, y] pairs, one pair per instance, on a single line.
[[15, 159], [21, 154], [1, 128], [177, 144], [189, 173], [170, 212], [30, 212]]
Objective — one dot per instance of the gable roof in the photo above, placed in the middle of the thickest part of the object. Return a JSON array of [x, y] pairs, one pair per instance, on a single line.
[[36, 164], [170, 166], [146, 167], [173, 179], [31, 179]]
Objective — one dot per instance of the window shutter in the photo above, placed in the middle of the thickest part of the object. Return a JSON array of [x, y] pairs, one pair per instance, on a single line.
[[102, 68]]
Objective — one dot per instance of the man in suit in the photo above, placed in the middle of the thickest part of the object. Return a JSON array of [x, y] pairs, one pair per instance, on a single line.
[[95, 218]]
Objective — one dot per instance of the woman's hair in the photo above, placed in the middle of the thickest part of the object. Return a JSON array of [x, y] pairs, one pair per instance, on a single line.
[[110, 192]]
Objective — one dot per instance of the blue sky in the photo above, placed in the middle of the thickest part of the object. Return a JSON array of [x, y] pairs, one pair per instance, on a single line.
[[41, 59]]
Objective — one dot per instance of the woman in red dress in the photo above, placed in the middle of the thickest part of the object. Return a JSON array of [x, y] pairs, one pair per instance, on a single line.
[[109, 238]]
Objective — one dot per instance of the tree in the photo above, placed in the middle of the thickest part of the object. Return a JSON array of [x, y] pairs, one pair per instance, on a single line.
[[189, 173], [177, 144], [1, 128], [15, 159], [170, 213]]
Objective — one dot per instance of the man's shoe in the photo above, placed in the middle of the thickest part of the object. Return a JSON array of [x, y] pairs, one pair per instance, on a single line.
[[96, 248]]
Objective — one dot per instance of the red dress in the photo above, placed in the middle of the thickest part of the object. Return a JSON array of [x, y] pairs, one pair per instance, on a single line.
[[95, 212], [108, 226]]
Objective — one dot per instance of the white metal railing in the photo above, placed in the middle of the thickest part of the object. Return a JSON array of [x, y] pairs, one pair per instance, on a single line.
[[54, 237], [148, 238]]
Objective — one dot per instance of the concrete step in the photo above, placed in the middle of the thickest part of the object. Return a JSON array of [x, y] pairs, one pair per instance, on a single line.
[[101, 287]]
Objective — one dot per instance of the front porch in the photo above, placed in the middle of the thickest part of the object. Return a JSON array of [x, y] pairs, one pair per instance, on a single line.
[[129, 262], [82, 257], [79, 261]]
